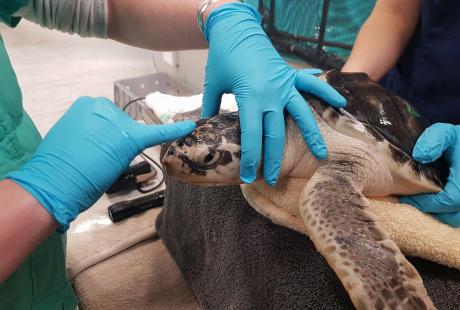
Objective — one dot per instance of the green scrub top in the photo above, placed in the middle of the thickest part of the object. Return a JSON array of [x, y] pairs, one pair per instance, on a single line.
[[40, 282]]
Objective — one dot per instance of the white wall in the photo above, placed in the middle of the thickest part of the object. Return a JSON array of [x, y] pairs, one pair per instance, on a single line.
[[54, 69], [186, 66]]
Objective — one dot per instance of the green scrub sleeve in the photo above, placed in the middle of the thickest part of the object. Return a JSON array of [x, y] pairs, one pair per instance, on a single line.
[[87, 18], [8, 8]]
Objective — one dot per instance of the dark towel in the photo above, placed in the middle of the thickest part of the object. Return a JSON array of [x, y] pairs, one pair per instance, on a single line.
[[234, 258]]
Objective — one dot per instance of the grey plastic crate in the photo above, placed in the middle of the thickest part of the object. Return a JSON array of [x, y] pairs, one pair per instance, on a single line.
[[131, 89]]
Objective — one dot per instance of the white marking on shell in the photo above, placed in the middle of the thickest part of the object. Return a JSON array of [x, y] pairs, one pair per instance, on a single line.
[[407, 181], [384, 119]]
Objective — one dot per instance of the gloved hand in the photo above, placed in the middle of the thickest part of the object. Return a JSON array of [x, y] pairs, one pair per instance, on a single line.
[[243, 61], [84, 153], [436, 140]]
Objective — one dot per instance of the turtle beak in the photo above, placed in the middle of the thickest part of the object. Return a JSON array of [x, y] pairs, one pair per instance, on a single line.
[[171, 162], [172, 165]]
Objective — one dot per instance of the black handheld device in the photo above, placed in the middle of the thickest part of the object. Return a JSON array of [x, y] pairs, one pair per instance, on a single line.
[[124, 209]]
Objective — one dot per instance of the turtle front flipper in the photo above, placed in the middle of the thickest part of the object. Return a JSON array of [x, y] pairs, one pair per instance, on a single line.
[[368, 263]]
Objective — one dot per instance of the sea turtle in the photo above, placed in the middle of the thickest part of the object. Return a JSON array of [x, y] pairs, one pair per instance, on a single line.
[[369, 145]]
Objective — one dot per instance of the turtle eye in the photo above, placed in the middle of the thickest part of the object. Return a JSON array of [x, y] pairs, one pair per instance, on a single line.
[[210, 158]]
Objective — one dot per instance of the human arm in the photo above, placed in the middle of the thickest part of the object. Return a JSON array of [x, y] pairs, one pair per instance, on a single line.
[[81, 156], [156, 25], [440, 140], [24, 224], [383, 37]]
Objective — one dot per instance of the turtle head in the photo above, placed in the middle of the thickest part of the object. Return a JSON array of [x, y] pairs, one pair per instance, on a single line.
[[210, 155]]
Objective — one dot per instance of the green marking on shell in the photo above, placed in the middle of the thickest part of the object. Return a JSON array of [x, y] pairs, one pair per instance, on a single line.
[[412, 111]]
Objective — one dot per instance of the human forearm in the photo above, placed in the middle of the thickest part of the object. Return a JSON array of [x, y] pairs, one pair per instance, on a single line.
[[24, 223], [383, 37], [375, 54], [153, 24], [157, 24]]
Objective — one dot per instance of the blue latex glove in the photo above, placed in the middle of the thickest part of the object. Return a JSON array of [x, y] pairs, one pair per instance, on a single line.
[[436, 140], [243, 61], [83, 154]]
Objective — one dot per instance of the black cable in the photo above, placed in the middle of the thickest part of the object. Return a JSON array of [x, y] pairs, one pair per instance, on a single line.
[[139, 188], [162, 176], [131, 102]]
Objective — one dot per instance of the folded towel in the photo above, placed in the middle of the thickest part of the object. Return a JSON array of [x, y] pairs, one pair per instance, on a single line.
[[167, 107], [143, 277], [123, 265], [234, 258], [416, 233]]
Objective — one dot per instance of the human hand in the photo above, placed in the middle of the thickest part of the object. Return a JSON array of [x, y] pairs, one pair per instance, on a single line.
[[243, 61], [83, 154], [438, 139]]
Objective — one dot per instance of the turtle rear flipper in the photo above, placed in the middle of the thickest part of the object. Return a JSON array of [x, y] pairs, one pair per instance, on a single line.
[[368, 263]]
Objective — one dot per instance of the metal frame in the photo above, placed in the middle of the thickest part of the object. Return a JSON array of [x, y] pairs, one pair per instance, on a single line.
[[313, 55]]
